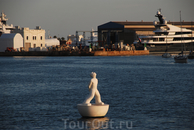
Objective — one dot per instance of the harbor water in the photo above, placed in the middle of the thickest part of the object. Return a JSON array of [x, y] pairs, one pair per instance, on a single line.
[[144, 92]]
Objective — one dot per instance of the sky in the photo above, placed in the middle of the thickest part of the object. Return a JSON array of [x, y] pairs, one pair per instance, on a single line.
[[64, 17]]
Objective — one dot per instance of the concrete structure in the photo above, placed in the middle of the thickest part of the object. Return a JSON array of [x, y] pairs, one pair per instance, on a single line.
[[115, 31], [14, 40], [51, 42], [32, 38]]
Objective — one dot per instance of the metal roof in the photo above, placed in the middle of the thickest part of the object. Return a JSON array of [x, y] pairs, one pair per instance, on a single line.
[[9, 35], [140, 25]]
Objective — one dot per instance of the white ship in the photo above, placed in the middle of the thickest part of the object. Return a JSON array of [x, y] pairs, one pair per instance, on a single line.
[[166, 36]]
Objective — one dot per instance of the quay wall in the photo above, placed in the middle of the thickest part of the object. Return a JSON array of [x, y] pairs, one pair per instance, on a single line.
[[76, 53], [121, 53], [47, 53]]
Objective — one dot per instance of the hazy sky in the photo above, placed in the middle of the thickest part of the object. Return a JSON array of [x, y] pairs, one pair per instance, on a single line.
[[64, 17]]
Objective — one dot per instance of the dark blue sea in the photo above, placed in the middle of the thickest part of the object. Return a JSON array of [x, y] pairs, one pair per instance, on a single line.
[[144, 92]]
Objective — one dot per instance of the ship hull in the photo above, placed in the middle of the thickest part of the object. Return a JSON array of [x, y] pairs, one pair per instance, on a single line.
[[169, 47]]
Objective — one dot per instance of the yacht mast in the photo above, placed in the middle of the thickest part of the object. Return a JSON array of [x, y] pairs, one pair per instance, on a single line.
[[191, 37], [181, 33]]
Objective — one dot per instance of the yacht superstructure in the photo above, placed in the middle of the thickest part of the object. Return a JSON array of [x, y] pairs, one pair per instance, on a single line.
[[166, 35], [4, 28]]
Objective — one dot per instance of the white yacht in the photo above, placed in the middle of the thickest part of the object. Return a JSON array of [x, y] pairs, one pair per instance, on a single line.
[[166, 36], [4, 27]]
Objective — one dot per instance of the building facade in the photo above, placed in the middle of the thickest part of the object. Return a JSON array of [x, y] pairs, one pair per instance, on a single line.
[[32, 38]]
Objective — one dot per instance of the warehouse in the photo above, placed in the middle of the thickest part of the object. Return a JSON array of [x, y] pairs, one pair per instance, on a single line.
[[14, 40], [116, 31]]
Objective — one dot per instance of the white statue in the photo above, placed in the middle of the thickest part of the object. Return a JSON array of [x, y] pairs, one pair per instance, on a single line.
[[93, 91], [99, 109]]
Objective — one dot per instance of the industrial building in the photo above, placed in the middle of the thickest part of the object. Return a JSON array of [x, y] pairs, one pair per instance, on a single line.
[[116, 31], [12, 40]]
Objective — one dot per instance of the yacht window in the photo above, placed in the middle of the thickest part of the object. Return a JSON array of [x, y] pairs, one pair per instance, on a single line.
[[183, 38], [178, 33], [161, 33], [155, 39], [161, 39]]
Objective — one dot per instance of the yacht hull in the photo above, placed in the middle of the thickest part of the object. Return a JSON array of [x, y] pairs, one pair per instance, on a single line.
[[163, 48], [180, 59]]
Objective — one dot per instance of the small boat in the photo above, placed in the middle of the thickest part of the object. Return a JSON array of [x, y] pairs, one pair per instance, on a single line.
[[166, 55], [180, 58], [191, 55]]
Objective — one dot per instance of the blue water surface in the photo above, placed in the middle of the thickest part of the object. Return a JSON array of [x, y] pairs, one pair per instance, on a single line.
[[144, 92]]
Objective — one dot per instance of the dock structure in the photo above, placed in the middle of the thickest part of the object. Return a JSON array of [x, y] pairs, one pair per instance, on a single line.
[[77, 53], [121, 53]]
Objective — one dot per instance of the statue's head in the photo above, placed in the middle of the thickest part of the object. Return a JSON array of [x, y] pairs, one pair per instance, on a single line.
[[93, 75]]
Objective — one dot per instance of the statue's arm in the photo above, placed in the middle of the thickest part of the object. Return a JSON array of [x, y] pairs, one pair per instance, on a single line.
[[90, 84]]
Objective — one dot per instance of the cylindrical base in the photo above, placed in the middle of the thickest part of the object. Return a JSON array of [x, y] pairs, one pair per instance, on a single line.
[[93, 110]]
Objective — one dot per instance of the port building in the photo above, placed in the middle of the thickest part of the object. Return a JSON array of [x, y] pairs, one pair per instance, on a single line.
[[128, 31]]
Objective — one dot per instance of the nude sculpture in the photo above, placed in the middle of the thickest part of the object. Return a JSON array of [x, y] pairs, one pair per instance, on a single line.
[[93, 91]]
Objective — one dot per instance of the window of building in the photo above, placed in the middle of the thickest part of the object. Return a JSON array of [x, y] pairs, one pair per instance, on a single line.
[[33, 37], [41, 45], [26, 37], [40, 37]]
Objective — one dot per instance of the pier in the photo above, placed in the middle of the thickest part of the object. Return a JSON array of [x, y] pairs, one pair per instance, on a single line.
[[121, 53]]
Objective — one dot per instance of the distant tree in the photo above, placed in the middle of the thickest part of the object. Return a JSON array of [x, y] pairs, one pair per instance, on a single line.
[[54, 36], [59, 39], [62, 38]]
